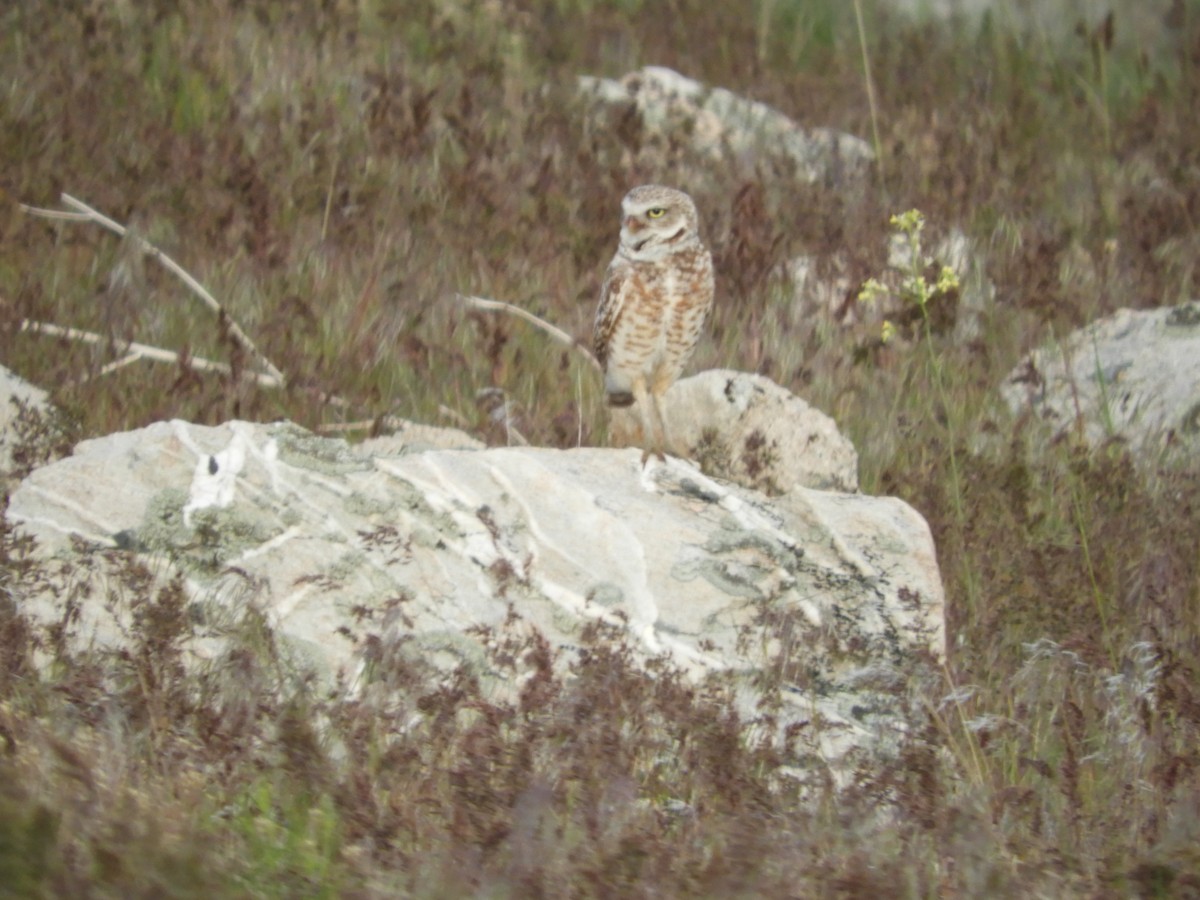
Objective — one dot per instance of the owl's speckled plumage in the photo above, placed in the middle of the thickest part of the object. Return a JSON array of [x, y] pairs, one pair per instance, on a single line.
[[656, 298]]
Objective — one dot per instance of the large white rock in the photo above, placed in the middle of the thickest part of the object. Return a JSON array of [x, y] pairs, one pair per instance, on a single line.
[[1133, 376], [345, 551]]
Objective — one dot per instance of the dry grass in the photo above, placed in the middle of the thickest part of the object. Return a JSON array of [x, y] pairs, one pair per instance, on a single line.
[[334, 175]]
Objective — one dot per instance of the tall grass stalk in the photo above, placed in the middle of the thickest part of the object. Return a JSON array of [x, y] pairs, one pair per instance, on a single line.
[[1098, 598], [870, 85]]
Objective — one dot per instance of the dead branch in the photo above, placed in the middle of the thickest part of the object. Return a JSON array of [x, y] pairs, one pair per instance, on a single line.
[[555, 332], [86, 213]]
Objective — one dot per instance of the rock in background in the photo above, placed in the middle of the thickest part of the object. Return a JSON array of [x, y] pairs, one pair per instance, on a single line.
[[1133, 376], [824, 291], [347, 552], [1142, 24], [722, 128], [30, 430]]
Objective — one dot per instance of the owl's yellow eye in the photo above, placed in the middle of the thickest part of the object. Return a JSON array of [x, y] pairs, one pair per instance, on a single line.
[[656, 213]]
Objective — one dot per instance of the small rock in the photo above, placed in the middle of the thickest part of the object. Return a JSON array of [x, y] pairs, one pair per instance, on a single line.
[[748, 429]]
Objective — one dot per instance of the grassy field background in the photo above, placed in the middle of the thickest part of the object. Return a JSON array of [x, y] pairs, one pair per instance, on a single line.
[[334, 172]]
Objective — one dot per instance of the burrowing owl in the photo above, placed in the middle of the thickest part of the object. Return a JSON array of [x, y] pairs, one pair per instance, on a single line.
[[656, 297]]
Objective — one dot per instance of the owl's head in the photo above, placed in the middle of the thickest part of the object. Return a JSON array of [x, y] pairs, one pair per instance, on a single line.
[[657, 221]]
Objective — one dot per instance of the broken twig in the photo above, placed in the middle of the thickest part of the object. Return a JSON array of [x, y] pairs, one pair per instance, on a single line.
[[139, 351]]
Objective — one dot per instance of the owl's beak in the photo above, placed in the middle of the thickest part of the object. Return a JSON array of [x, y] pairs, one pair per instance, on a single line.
[[633, 225]]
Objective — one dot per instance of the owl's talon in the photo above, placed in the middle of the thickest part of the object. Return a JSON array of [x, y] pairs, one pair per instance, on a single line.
[[646, 454]]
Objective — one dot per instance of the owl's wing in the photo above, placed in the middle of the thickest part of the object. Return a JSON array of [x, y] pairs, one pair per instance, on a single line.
[[612, 307]]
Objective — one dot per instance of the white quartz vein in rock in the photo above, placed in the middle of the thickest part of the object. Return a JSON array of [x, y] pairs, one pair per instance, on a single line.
[[81, 512]]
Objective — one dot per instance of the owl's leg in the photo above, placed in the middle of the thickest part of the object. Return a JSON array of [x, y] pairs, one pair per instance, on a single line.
[[663, 441], [653, 434], [660, 383]]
